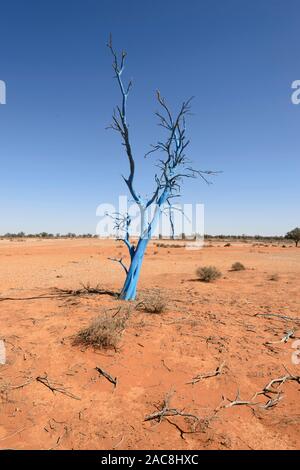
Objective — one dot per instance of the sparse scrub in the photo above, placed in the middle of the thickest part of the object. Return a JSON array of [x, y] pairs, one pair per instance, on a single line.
[[170, 245], [208, 273], [227, 244], [104, 332], [152, 302], [238, 266]]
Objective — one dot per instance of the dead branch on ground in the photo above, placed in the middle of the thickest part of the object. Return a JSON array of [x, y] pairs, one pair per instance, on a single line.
[[164, 411], [55, 387], [109, 377], [277, 315], [273, 387], [65, 293], [16, 387], [215, 373], [289, 334], [237, 402]]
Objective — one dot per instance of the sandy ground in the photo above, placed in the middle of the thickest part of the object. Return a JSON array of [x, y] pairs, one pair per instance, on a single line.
[[205, 324]]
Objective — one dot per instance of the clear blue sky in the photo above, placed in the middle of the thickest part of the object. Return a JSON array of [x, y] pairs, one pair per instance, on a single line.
[[238, 57]]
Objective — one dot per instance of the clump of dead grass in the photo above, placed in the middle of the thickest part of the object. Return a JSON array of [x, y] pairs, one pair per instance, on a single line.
[[153, 301], [208, 273], [238, 266], [104, 332]]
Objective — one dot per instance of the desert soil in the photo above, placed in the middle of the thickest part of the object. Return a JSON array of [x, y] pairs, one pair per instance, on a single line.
[[204, 326]]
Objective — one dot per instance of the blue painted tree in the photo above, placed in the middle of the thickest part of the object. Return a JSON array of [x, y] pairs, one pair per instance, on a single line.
[[173, 168]]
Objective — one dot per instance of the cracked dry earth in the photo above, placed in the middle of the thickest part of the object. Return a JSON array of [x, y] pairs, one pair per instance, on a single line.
[[205, 325]]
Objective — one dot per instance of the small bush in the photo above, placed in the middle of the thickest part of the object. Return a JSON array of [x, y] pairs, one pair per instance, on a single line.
[[103, 333], [274, 277], [152, 302], [227, 244], [208, 273], [237, 266]]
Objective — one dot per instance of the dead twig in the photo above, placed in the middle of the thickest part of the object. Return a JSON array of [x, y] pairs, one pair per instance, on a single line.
[[165, 365], [272, 402], [238, 402], [109, 377], [55, 387], [164, 411], [16, 387], [59, 439], [65, 293], [12, 434], [275, 384], [273, 387], [215, 373], [277, 315], [289, 334]]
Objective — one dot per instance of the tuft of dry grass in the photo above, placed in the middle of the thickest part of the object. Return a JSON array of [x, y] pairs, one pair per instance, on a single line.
[[238, 266], [153, 301], [208, 273], [104, 332], [274, 277]]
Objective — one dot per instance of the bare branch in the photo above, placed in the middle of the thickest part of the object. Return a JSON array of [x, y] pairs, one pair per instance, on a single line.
[[55, 387], [120, 260], [215, 373], [289, 334], [277, 315], [120, 122], [109, 377]]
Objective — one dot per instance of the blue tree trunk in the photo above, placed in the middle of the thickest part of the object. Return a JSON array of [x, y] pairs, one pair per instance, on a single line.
[[129, 289]]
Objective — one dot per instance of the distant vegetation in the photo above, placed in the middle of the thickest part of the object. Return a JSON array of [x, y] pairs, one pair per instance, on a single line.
[[47, 235], [292, 235]]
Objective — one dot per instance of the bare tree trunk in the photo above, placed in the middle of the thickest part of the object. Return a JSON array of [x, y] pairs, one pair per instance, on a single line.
[[130, 285]]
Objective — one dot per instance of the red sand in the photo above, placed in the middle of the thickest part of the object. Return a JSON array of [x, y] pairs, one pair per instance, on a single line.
[[204, 325]]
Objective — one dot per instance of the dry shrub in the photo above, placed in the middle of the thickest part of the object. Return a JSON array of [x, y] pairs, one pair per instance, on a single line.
[[208, 273], [238, 266], [104, 332], [153, 301], [274, 277], [227, 244], [170, 245]]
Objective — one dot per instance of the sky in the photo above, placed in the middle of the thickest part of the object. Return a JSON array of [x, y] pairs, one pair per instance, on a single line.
[[238, 58]]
